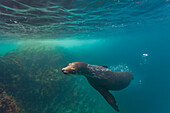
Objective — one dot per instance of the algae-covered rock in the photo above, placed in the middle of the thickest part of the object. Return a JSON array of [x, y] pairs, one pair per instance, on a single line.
[[31, 74], [7, 103]]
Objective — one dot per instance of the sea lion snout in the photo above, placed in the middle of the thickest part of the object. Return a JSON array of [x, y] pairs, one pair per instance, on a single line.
[[64, 70], [70, 69]]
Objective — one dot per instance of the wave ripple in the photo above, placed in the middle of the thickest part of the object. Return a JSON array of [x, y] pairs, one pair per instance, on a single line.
[[60, 17]]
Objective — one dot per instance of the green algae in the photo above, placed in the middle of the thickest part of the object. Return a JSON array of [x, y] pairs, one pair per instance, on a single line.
[[31, 74], [7, 103]]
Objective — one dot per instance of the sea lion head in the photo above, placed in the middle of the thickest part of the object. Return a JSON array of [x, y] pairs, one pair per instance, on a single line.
[[74, 68]]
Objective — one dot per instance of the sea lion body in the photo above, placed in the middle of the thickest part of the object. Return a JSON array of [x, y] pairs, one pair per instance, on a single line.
[[101, 78], [108, 79]]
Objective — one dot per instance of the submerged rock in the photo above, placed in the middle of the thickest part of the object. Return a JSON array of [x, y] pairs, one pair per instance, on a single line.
[[32, 75], [7, 103]]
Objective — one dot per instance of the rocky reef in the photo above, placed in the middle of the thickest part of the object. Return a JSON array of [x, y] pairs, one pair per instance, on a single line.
[[7, 103], [31, 75]]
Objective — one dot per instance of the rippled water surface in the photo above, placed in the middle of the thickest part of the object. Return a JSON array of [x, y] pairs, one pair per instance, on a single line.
[[57, 18], [40, 37]]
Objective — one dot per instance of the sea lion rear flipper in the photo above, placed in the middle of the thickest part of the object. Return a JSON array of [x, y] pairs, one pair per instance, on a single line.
[[109, 98]]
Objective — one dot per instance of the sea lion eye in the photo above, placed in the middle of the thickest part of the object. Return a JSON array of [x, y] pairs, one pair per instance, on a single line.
[[73, 71]]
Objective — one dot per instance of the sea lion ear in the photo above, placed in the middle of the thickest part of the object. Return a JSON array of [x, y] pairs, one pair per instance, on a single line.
[[104, 66]]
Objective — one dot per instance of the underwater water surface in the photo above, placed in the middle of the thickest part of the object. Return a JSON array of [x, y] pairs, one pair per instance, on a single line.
[[40, 37]]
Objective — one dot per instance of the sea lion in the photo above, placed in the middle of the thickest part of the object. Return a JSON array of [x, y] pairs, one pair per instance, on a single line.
[[101, 78]]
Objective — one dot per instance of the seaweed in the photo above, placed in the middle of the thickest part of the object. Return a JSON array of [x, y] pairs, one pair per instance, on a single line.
[[7, 103], [31, 74]]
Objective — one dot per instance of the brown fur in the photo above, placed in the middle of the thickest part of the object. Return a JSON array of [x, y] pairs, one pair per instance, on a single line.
[[101, 78]]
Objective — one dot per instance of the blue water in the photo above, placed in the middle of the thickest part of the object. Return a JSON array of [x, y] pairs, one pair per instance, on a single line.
[[38, 38]]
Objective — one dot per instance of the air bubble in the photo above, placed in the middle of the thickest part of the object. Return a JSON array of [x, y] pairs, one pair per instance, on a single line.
[[144, 59], [15, 22]]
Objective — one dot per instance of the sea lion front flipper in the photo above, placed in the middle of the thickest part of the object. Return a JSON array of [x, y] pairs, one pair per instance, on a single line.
[[109, 98]]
